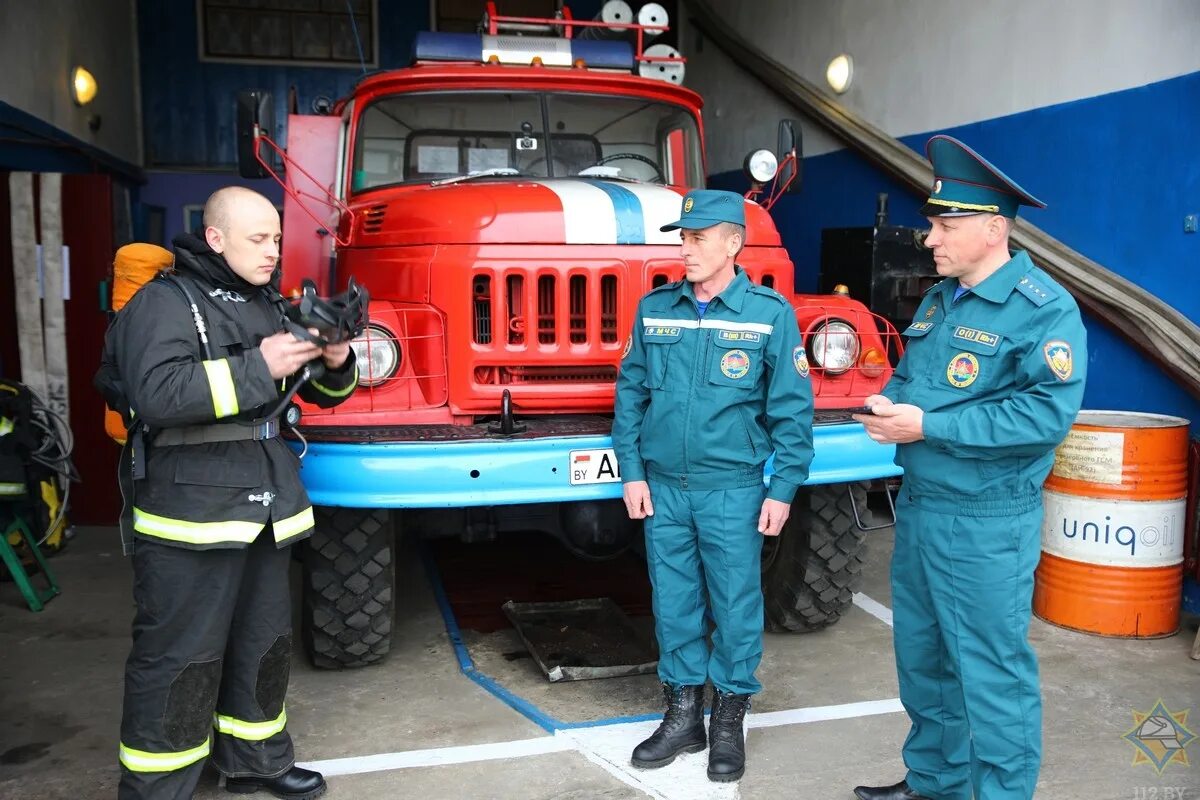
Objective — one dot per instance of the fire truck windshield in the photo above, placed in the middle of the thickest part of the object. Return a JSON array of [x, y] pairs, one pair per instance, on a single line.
[[422, 137]]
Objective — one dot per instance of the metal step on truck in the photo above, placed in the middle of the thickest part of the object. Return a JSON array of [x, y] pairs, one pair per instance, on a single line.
[[501, 200]]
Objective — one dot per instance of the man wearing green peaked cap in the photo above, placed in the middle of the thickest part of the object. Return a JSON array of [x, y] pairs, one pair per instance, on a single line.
[[989, 384], [714, 378]]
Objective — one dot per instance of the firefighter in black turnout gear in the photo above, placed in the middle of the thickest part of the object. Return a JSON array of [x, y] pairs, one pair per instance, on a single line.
[[213, 501]]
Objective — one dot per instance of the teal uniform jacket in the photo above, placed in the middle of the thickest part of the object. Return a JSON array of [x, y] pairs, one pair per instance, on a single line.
[[707, 400], [1000, 376]]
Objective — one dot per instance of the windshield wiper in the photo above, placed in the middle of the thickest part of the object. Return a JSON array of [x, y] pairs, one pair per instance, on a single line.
[[470, 176]]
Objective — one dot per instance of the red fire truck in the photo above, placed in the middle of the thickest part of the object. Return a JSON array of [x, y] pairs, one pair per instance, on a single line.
[[501, 199]]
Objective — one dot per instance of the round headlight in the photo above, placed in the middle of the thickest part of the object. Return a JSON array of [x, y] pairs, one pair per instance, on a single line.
[[761, 166], [377, 354], [834, 346]]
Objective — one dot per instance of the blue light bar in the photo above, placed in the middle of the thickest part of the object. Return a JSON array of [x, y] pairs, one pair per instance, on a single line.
[[518, 50]]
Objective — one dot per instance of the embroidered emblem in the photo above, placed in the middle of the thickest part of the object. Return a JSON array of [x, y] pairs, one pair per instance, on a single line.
[[962, 370], [660, 330], [1058, 356], [738, 336], [937, 187], [991, 340], [628, 347], [735, 364], [687, 205], [921, 326], [227, 296], [931, 311], [800, 360], [266, 498]]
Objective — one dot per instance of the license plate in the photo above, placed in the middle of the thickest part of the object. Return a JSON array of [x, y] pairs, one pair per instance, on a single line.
[[593, 466]]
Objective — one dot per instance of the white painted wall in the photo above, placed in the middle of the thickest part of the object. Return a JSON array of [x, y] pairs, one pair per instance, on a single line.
[[921, 65], [41, 41]]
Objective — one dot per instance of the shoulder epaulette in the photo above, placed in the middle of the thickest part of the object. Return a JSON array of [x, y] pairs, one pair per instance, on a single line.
[[767, 291], [937, 285], [666, 286], [1037, 293]]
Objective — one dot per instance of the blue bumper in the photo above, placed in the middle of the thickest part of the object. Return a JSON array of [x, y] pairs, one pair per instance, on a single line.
[[491, 472]]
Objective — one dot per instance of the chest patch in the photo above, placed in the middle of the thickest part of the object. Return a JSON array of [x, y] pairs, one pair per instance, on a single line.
[[652, 331], [989, 340], [921, 326], [800, 359], [1058, 356], [962, 370], [738, 336], [735, 364]]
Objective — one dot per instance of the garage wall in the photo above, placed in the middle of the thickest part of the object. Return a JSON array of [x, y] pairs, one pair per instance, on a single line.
[[39, 46], [1092, 107]]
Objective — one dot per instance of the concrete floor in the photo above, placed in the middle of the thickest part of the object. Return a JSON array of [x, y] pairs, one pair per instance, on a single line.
[[827, 720]]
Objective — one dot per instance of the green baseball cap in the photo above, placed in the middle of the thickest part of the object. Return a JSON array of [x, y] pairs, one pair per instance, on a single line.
[[703, 208], [964, 182]]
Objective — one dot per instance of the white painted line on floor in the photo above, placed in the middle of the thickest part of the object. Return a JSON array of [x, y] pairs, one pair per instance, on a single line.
[[874, 608], [440, 756], [609, 747], [797, 716], [685, 778]]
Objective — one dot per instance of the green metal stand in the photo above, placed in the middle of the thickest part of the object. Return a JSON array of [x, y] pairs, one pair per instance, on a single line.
[[36, 598]]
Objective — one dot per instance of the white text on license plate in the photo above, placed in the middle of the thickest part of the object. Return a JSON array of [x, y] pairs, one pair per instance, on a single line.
[[593, 466]]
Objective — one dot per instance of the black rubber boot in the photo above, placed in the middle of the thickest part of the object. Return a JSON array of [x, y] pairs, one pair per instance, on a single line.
[[726, 742], [899, 791], [295, 784], [681, 731]]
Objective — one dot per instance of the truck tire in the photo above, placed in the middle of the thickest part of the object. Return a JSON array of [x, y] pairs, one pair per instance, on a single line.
[[347, 588], [810, 573]]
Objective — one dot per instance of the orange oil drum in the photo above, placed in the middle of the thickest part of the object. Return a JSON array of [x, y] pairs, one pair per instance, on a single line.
[[1112, 534]]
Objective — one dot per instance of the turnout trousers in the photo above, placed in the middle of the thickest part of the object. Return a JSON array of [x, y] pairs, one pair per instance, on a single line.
[[962, 587], [208, 671], [703, 551]]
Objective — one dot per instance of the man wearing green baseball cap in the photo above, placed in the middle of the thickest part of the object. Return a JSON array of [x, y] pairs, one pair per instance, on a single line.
[[990, 382], [714, 379]]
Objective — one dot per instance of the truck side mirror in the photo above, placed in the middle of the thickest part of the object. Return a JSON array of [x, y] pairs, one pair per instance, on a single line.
[[255, 113], [790, 139]]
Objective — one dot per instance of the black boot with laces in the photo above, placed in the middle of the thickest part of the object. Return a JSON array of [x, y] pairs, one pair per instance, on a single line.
[[681, 731], [726, 741]]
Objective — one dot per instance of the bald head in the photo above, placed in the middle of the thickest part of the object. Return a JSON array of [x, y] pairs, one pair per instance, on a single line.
[[243, 226]]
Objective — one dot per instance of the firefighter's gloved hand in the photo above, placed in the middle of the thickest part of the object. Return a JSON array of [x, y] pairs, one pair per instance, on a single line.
[[285, 354]]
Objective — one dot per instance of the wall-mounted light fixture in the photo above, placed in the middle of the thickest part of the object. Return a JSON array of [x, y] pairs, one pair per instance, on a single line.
[[839, 73], [83, 86]]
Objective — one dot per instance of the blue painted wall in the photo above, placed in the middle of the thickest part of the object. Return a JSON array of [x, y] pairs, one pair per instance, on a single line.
[[188, 105], [1119, 172]]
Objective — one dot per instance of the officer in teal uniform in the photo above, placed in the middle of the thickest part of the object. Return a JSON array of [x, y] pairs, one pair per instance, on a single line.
[[989, 384], [714, 378]]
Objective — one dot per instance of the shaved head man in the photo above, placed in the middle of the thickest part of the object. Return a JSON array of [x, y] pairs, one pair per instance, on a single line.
[[243, 226]]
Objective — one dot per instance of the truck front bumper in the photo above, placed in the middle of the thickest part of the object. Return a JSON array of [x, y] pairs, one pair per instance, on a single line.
[[503, 472]]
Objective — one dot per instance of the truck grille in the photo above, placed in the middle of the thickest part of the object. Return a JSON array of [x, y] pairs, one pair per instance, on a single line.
[[514, 308]]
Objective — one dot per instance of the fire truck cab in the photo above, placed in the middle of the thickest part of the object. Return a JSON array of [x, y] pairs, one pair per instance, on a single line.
[[501, 200]]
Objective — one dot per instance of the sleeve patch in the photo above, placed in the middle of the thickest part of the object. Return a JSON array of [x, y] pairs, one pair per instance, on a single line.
[[628, 347], [1058, 357], [800, 360]]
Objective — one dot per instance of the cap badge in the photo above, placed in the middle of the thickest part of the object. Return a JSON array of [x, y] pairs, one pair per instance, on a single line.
[[937, 187], [687, 205]]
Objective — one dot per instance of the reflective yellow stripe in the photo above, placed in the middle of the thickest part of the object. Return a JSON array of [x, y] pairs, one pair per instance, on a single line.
[[338, 392], [141, 761], [178, 530], [6, 425], [957, 204], [220, 383], [9, 489], [250, 731], [294, 525]]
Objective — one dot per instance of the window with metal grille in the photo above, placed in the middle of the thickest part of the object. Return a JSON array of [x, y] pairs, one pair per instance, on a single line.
[[326, 33]]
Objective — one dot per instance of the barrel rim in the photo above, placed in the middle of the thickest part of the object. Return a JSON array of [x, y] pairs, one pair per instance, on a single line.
[[1149, 420]]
